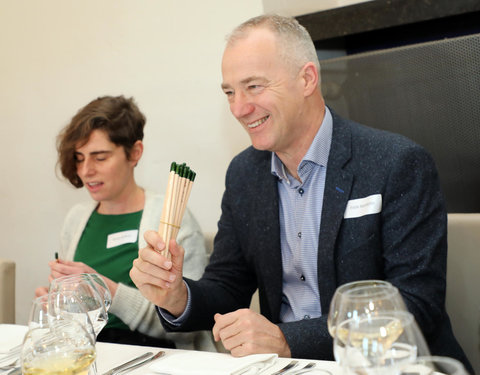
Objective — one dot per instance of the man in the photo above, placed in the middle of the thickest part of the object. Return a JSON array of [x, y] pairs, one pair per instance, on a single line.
[[318, 201]]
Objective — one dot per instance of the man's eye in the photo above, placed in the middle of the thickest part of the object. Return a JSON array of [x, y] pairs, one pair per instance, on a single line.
[[228, 92], [100, 158], [255, 88]]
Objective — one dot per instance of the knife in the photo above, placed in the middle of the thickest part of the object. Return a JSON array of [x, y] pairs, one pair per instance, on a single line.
[[134, 363]]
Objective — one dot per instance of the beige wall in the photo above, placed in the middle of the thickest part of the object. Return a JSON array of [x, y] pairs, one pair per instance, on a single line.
[[56, 55]]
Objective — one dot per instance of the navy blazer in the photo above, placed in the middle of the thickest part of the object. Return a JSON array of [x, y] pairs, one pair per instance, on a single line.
[[405, 243]]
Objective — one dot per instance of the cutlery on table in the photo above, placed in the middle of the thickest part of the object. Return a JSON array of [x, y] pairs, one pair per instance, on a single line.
[[16, 371], [10, 366], [291, 365], [305, 369], [12, 353], [134, 363], [14, 349]]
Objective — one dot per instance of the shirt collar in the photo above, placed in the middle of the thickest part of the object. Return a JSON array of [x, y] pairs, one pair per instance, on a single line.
[[317, 152]]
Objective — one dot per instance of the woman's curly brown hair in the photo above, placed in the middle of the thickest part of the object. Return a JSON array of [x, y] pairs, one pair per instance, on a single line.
[[118, 116]]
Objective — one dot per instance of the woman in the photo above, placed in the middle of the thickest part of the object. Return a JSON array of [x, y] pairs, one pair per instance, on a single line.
[[99, 149]]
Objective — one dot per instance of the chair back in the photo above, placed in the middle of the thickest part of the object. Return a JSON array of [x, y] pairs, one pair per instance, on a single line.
[[7, 291], [463, 282]]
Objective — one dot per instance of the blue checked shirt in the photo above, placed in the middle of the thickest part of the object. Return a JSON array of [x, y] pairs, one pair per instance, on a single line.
[[300, 215]]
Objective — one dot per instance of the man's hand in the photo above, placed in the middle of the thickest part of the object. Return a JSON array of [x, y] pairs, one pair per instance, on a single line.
[[158, 278], [245, 332]]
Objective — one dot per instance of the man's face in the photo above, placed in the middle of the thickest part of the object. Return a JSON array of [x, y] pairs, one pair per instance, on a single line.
[[264, 93]]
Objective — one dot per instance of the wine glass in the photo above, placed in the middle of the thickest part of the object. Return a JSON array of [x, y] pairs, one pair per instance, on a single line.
[[69, 305], [356, 299], [63, 347], [94, 279], [82, 285], [38, 316], [101, 286], [362, 296], [434, 365], [78, 302], [380, 344]]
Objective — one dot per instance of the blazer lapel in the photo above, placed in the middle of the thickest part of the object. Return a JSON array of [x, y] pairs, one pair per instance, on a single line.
[[265, 229], [337, 192]]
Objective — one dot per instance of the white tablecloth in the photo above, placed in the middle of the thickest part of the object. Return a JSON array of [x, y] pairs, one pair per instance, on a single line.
[[111, 355]]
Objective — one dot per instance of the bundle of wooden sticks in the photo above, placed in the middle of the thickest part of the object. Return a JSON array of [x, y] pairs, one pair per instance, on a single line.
[[180, 182]]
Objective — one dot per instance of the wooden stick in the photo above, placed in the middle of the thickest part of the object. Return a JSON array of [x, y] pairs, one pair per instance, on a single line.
[[171, 213], [180, 181], [163, 227]]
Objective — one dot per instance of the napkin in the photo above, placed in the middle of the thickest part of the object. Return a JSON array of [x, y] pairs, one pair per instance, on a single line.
[[11, 335], [199, 363]]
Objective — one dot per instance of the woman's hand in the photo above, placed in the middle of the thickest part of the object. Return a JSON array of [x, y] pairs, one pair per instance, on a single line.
[[60, 268], [41, 291]]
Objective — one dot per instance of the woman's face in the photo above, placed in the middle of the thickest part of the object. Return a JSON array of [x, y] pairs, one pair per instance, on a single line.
[[104, 168]]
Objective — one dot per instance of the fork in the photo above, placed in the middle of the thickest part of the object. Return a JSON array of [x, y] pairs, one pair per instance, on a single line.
[[305, 369], [291, 365], [10, 366], [12, 353], [11, 350]]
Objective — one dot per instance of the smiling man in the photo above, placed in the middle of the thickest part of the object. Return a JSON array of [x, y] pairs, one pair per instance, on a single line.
[[316, 202]]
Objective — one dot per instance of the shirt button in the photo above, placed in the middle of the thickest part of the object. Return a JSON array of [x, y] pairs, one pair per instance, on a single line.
[[302, 278], [306, 316], [299, 234], [301, 191]]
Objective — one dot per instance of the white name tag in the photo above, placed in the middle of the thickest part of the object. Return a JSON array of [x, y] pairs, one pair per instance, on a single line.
[[363, 206], [120, 238]]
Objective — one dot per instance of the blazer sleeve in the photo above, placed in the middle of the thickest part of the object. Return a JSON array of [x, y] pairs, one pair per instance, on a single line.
[[414, 236]]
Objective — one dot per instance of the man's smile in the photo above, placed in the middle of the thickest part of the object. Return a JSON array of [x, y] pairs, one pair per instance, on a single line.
[[258, 122]]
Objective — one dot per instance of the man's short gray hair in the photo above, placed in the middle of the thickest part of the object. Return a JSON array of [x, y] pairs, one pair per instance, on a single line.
[[294, 41]]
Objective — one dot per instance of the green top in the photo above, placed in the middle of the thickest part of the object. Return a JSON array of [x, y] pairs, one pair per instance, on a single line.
[[109, 244]]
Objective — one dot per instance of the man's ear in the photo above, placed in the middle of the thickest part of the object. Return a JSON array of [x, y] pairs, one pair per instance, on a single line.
[[310, 78], [136, 152]]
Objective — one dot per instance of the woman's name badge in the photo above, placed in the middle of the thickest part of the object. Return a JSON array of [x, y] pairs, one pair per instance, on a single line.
[[120, 238]]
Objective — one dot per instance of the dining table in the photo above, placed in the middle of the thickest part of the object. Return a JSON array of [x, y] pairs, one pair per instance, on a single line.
[[111, 355]]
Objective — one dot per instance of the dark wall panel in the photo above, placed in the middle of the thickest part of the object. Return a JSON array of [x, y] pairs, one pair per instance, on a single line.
[[429, 92]]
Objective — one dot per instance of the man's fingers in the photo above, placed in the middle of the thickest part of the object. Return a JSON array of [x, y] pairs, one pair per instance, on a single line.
[[177, 255], [225, 324], [142, 279], [154, 240], [245, 332], [146, 272]]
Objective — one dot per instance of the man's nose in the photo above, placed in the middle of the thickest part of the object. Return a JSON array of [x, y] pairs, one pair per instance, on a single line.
[[241, 106]]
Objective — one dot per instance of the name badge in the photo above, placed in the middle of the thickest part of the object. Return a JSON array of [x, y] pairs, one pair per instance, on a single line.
[[120, 238], [363, 206]]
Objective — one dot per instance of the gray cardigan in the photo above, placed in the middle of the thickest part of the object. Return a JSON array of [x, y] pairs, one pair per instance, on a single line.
[[128, 303]]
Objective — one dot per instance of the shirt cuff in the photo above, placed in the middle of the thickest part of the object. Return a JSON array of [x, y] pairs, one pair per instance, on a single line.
[[170, 319]]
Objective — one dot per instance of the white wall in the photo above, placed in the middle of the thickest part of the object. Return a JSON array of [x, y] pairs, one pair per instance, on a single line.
[[57, 55]]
